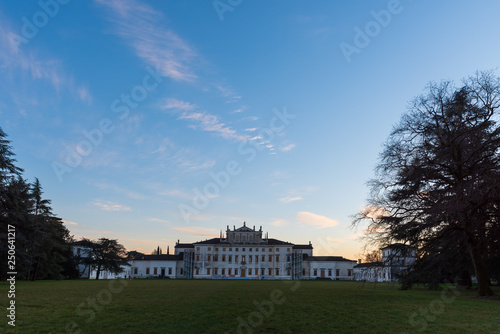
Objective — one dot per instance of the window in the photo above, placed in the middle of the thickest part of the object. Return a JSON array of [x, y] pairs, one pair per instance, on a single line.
[[243, 238], [329, 272], [288, 272], [223, 271], [197, 258], [315, 272], [256, 259], [197, 249], [303, 272], [277, 272], [135, 271], [237, 239], [216, 271], [263, 258], [288, 258], [208, 271], [209, 249], [216, 249], [155, 271], [223, 257], [249, 249], [230, 238], [277, 249], [277, 258], [270, 249], [230, 258], [249, 271], [170, 271], [230, 249], [224, 249], [229, 271], [337, 272], [236, 249], [182, 271], [262, 272], [263, 249], [236, 271], [236, 258], [250, 238], [249, 258], [288, 249], [147, 271], [197, 271], [209, 257], [270, 258], [270, 271], [243, 249], [349, 272], [243, 258], [216, 257]]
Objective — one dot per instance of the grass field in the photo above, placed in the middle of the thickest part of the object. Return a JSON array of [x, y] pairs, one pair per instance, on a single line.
[[229, 306]]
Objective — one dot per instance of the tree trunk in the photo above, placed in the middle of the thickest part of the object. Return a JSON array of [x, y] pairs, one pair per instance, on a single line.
[[98, 272], [483, 282]]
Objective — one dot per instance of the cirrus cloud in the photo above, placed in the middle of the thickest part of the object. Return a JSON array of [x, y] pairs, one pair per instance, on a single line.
[[313, 219]]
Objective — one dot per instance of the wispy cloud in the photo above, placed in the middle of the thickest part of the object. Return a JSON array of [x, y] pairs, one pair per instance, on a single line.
[[313, 219], [374, 212], [251, 129], [84, 95], [158, 220], [290, 199], [119, 190], [69, 223], [279, 222], [141, 27], [110, 206], [287, 148], [14, 57], [241, 109], [173, 103], [199, 231], [211, 123]]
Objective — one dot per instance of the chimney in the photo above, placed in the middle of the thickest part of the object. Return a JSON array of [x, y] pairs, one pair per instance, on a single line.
[[359, 261]]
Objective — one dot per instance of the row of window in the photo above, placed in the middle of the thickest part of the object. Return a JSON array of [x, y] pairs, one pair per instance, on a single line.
[[243, 249], [248, 271], [163, 271], [244, 238], [337, 272], [244, 258]]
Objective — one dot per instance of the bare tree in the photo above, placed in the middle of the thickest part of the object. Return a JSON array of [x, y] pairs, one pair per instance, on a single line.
[[438, 179]]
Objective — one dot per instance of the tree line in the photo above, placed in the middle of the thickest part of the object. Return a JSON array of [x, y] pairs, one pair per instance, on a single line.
[[42, 241]]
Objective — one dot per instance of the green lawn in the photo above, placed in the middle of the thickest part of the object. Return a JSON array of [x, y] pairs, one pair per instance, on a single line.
[[230, 306]]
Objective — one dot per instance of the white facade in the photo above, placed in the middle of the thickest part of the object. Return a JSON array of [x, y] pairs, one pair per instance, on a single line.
[[149, 266], [242, 253], [396, 259], [79, 250]]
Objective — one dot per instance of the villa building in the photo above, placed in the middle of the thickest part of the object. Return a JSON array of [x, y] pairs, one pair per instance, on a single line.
[[396, 259], [243, 253]]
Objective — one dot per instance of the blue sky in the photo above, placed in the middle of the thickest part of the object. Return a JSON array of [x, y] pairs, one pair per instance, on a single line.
[[155, 121]]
